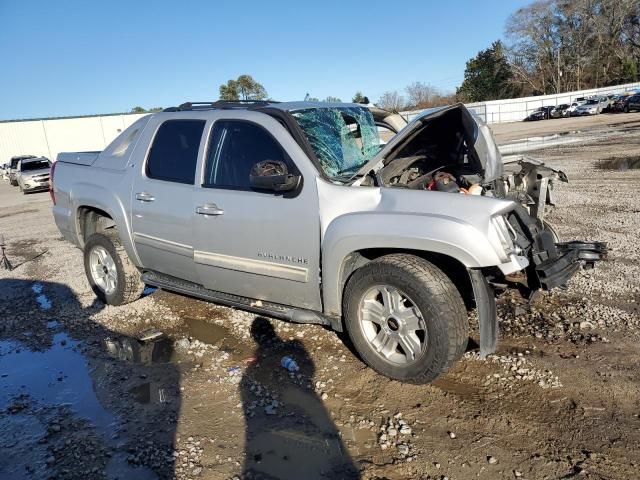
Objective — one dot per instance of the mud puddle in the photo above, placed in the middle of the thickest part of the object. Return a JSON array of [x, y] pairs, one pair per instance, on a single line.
[[620, 163], [298, 444], [558, 139], [146, 353], [58, 377], [464, 391], [22, 248], [534, 143], [218, 335]]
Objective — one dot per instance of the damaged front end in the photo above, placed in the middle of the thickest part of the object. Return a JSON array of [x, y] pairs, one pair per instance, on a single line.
[[551, 263], [451, 150], [530, 183]]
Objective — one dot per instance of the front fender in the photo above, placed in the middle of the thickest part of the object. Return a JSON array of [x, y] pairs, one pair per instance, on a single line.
[[411, 231]]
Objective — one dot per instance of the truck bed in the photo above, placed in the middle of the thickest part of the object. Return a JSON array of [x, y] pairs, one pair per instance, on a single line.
[[78, 158]]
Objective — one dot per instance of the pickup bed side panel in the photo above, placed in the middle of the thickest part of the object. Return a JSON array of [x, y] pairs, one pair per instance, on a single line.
[[72, 193], [358, 231]]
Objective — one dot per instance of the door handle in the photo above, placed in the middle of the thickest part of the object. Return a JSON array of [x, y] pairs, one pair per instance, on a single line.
[[145, 197], [209, 209]]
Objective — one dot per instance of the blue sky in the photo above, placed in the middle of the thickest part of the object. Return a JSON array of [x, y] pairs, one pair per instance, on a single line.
[[83, 57]]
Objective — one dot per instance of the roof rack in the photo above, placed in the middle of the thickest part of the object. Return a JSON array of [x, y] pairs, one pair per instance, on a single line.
[[219, 104]]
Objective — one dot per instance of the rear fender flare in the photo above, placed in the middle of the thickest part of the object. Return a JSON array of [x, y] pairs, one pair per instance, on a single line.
[[93, 196]]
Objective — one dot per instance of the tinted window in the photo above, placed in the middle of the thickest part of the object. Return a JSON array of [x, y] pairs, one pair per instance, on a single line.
[[174, 153], [234, 148], [34, 165]]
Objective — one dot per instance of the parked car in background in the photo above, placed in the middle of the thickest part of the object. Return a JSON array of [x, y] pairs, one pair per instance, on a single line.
[[4, 171], [574, 105], [561, 111], [631, 103], [617, 104], [593, 106], [610, 98], [12, 168], [33, 174], [541, 113]]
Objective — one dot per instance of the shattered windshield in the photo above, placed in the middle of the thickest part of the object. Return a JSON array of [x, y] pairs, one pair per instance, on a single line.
[[343, 138]]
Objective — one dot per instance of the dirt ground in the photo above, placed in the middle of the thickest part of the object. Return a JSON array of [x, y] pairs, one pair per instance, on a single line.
[[82, 397]]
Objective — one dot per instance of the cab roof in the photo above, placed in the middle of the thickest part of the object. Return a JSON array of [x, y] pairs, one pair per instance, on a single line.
[[258, 104]]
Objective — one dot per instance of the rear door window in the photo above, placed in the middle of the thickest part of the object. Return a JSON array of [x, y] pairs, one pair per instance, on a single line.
[[174, 153]]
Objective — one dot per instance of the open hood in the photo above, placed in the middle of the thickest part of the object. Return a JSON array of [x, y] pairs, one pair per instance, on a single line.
[[449, 136]]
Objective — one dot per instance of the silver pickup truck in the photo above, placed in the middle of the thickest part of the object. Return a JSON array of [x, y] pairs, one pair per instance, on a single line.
[[302, 211]]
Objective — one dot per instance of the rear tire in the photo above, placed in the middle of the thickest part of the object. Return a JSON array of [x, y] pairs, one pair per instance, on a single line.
[[113, 277], [405, 318]]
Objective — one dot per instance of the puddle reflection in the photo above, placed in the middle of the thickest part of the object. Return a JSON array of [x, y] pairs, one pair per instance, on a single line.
[[146, 353], [58, 376]]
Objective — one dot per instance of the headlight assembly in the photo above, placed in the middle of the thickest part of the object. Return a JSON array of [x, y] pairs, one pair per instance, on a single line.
[[505, 234]]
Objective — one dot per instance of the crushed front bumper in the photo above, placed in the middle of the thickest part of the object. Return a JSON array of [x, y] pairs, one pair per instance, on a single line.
[[551, 264], [556, 272]]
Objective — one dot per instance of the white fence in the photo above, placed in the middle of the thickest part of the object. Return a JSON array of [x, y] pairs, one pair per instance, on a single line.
[[50, 137], [516, 109]]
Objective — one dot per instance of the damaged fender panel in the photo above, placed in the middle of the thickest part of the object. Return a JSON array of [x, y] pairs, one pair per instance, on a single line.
[[486, 306]]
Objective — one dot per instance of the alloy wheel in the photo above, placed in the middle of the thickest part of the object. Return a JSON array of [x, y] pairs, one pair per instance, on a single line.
[[103, 269], [392, 324]]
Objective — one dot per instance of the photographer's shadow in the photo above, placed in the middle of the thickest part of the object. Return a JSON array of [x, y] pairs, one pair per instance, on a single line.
[[289, 433]]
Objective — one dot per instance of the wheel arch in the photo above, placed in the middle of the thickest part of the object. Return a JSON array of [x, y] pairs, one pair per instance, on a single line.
[[92, 220], [452, 267], [471, 283]]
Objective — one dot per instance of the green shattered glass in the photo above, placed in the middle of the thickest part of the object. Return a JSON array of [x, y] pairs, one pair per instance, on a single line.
[[343, 138]]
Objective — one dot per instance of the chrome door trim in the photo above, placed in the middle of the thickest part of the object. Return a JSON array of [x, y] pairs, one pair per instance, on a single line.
[[258, 267], [162, 244]]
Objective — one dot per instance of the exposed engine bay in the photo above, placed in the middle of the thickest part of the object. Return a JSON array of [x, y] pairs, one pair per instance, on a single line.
[[525, 180], [451, 153]]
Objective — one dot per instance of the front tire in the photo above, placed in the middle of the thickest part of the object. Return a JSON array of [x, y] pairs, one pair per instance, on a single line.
[[113, 277], [405, 318]]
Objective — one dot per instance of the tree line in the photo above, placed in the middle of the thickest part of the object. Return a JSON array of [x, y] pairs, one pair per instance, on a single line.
[[555, 46]]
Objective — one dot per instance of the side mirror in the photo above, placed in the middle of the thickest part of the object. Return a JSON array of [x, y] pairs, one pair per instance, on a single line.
[[274, 176]]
